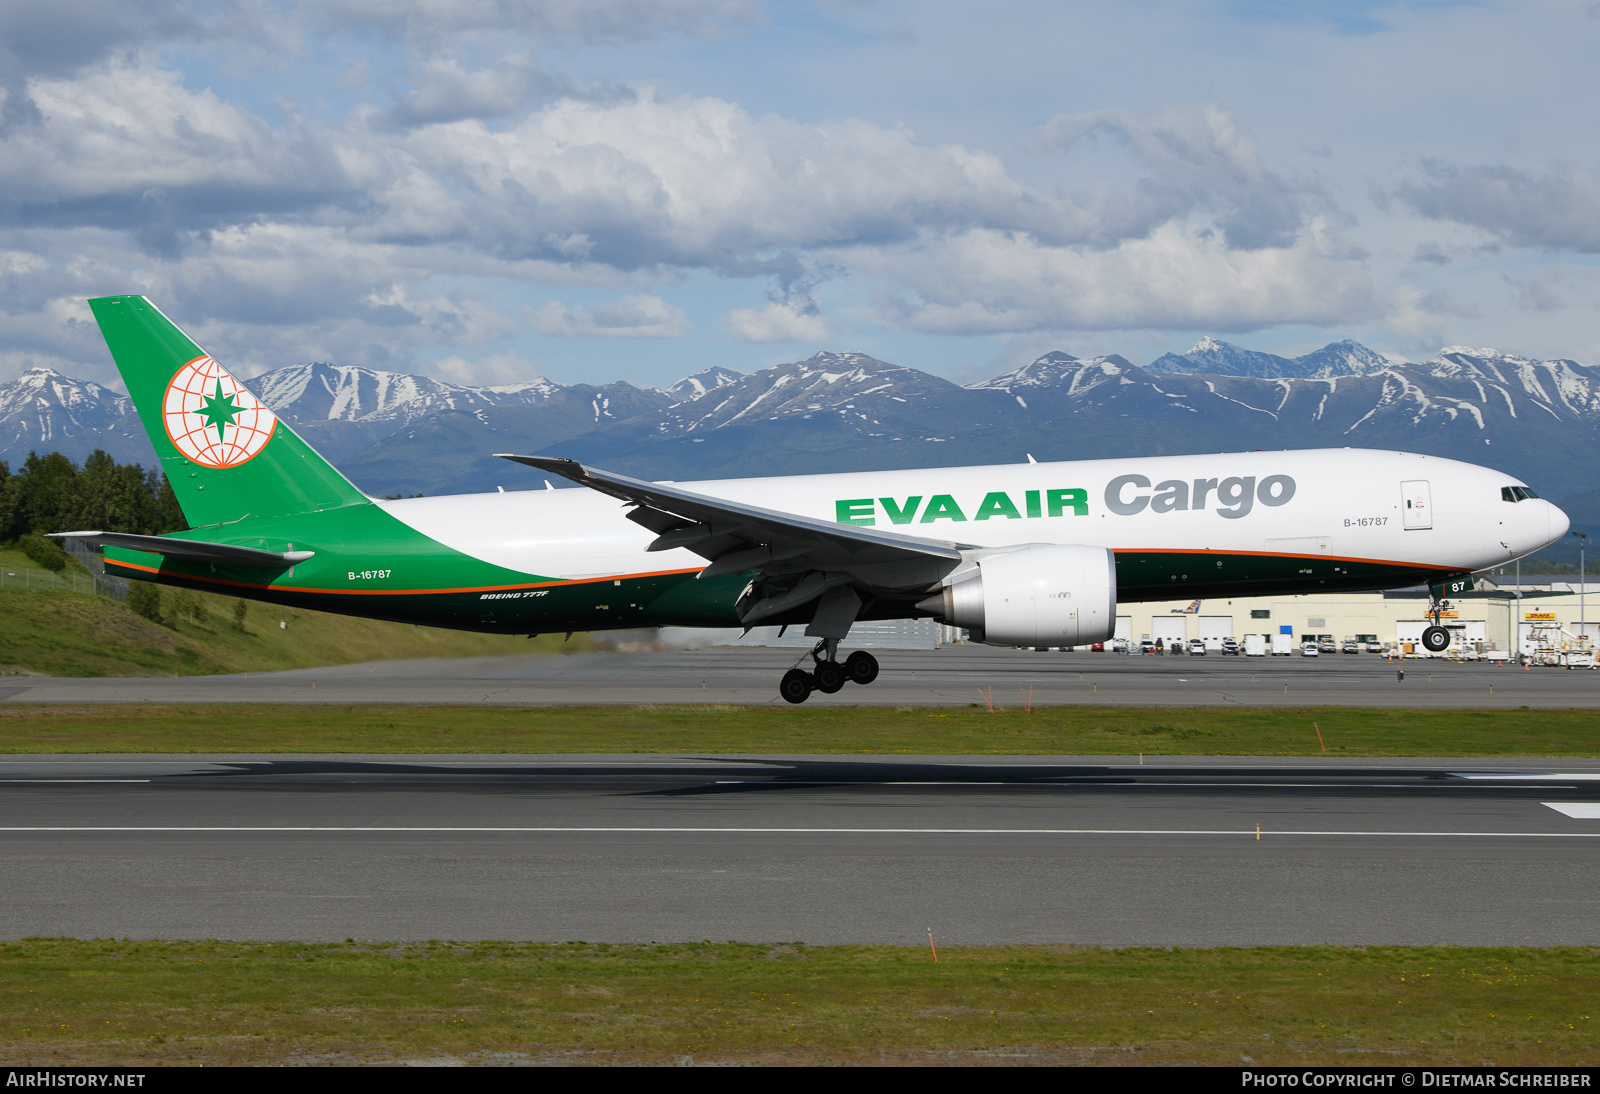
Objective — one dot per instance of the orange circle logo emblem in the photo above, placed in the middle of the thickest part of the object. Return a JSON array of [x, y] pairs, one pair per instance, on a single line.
[[212, 418]]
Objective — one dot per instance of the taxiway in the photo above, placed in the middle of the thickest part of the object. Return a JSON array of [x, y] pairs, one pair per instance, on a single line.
[[951, 676]]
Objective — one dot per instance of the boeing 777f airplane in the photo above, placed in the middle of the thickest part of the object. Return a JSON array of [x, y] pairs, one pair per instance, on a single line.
[[1034, 554]]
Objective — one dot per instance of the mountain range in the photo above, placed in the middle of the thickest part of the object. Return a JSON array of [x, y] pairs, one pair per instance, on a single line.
[[394, 433]]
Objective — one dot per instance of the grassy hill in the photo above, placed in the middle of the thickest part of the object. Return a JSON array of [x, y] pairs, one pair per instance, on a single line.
[[62, 632]]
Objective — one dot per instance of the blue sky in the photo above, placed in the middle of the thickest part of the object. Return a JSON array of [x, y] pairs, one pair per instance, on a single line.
[[638, 189]]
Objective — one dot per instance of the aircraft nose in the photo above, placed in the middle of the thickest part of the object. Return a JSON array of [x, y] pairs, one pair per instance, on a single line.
[[1559, 523]]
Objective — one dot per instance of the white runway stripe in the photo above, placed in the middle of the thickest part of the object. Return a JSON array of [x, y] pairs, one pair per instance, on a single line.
[[1577, 810], [1585, 777]]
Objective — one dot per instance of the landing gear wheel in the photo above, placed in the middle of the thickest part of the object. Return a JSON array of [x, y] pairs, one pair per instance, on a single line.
[[829, 677], [861, 667], [1435, 639], [795, 687]]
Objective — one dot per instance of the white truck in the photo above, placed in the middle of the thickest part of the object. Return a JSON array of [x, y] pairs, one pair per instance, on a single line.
[[1255, 645], [1282, 645]]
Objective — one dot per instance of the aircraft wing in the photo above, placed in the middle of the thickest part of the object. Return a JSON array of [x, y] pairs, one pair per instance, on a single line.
[[189, 548], [738, 537]]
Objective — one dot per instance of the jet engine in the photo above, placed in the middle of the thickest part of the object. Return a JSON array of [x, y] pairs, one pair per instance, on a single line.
[[1043, 594]]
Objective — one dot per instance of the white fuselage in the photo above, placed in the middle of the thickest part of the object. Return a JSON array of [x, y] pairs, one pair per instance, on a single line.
[[1358, 504]]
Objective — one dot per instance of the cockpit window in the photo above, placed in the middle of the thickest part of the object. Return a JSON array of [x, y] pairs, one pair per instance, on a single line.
[[1516, 493]]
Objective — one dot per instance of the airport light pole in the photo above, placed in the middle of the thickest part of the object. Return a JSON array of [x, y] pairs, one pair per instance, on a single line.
[[1519, 610], [1583, 614]]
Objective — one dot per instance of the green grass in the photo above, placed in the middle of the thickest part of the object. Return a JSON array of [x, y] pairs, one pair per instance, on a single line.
[[59, 632], [1211, 731], [141, 1003]]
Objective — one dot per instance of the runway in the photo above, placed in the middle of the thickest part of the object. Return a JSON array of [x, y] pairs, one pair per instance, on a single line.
[[1096, 850], [951, 676]]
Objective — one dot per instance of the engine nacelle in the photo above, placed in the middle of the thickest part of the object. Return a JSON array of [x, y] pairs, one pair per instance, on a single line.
[[1044, 594]]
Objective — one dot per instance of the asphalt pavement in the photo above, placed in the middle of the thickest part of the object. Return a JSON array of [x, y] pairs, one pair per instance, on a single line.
[[822, 849]]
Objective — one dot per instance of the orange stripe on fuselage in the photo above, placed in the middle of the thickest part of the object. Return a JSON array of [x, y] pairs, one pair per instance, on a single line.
[[400, 592]]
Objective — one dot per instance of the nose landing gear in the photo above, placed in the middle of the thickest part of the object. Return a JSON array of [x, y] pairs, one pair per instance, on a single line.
[[1436, 639], [829, 675]]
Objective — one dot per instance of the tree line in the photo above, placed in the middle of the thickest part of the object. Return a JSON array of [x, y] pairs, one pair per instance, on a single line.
[[51, 493]]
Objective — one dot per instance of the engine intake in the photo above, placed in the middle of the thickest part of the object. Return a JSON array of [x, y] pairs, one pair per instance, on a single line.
[[1044, 594]]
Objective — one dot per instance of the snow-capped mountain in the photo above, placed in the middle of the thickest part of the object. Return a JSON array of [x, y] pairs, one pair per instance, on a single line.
[[849, 385], [394, 433], [44, 411], [42, 406], [1056, 371], [343, 409], [1217, 358], [692, 387], [451, 450], [323, 392], [1539, 420]]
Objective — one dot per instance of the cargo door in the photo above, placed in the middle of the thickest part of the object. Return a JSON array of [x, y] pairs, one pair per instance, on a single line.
[[1417, 503], [1214, 628], [1170, 628]]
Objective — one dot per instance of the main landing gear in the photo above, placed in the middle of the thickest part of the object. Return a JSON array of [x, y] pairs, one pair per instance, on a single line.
[[829, 675]]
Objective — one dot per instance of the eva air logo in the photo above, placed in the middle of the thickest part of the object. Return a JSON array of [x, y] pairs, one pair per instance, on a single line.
[[212, 418]]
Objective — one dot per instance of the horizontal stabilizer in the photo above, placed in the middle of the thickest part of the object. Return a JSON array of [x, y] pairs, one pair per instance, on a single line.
[[190, 548]]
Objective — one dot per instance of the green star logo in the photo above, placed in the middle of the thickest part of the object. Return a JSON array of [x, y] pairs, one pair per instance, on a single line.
[[219, 410]]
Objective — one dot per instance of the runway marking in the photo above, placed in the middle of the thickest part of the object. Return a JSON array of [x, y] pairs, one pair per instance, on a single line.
[[1576, 810], [54, 782], [1251, 832], [1585, 777]]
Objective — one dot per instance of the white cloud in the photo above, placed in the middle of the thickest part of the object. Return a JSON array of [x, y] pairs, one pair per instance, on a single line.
[[694, 182], [1197, 159], [1178, 278], [643, 315], [328, 240], [336, 230], [776, 323], [1555, 209], [500, 368], [443, 91], [1422, 315], [127, 147], [429, 22]]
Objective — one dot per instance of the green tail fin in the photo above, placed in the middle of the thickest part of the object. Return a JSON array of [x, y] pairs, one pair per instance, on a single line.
[[225, 453]]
